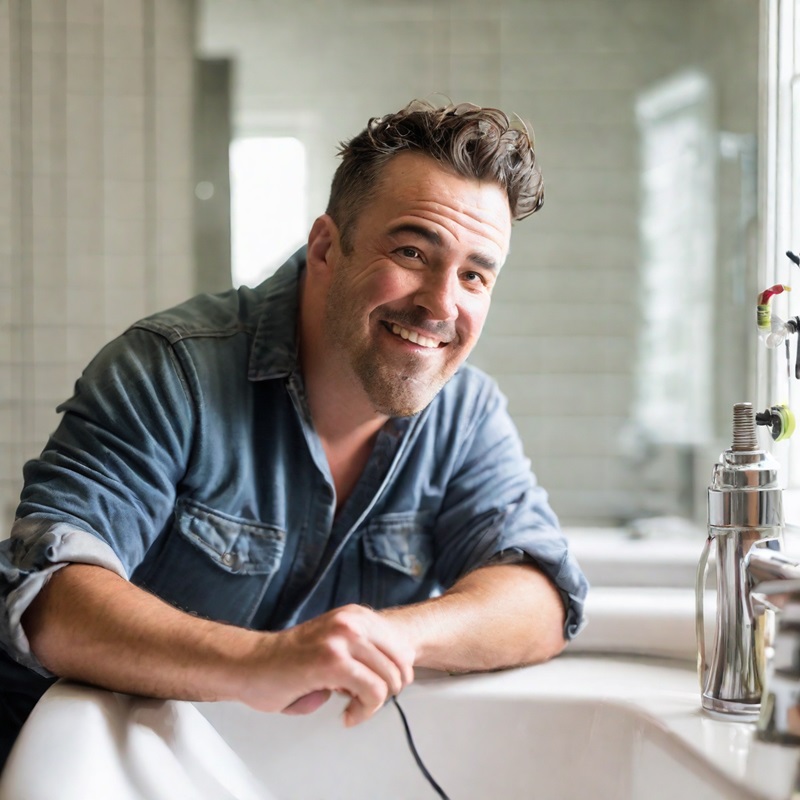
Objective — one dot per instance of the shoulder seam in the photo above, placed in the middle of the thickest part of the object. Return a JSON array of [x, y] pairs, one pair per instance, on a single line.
[[176, 333]]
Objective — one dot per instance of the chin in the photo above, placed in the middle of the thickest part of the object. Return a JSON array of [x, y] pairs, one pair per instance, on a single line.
[[393, 404], [392, 391]]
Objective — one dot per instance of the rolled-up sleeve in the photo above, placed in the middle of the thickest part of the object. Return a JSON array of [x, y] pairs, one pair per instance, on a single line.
[[493, 505], [104, 486]]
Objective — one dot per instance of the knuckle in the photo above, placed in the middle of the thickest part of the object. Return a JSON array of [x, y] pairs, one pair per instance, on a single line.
[[347, 621], [334, 649]]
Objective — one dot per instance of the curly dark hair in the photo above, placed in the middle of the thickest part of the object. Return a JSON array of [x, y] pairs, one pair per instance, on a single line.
[[472, 141]]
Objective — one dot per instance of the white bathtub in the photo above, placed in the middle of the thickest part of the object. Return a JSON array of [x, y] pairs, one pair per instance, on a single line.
[[577, 727]]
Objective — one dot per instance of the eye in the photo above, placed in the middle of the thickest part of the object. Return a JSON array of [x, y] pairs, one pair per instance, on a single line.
[[470, 276], [409, 252], [477, 281]]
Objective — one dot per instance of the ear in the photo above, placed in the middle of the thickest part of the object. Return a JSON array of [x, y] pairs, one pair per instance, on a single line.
[[323, 247]]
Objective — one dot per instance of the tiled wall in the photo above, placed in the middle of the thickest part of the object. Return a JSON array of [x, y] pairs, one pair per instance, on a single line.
[[96, 187], [562, 334], [95, 194]]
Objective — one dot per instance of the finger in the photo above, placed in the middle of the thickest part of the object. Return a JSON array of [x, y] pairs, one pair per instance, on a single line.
[[402, 656], [406, 668], [390, 642], [375, 642], [368, 693], [354, 713], [308, 703], [397, 670], [379, 663]]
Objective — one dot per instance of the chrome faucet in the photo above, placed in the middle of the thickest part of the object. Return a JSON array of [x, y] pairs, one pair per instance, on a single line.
[[754, 671], [745, 517]]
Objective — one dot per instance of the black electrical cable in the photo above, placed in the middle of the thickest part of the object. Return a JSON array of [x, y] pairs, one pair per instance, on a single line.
[[438, 789]]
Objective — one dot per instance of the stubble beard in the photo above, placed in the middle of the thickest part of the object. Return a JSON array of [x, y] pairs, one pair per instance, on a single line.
[[397, 389]]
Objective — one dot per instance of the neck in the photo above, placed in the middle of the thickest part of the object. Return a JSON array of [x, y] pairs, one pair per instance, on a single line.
[[339, 406], [343, 417]]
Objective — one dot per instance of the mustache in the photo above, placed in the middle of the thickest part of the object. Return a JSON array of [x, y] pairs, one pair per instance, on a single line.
[[419, 320]]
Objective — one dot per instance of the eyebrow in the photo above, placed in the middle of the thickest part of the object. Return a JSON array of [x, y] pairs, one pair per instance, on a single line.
[[432, 237]]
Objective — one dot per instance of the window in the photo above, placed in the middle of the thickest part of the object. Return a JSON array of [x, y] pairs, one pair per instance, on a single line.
[[676, 229], [268, 205], [780, 200]]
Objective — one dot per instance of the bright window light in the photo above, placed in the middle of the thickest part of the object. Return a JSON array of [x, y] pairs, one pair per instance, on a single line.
[[268, 205]]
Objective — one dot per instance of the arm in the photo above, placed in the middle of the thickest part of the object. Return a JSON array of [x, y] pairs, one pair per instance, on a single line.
[[494, 617], [492, 509], [91, 625]]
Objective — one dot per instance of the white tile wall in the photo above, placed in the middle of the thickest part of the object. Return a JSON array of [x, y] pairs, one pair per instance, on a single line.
[[80, 166]]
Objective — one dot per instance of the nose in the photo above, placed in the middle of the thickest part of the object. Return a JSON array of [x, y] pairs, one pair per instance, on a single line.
[[438, 294]]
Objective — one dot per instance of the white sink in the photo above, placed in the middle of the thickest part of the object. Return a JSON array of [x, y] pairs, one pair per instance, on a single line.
[[578, 727], [606, 729]]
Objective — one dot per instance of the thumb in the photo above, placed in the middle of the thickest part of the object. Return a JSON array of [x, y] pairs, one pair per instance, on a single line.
[[308, 702]]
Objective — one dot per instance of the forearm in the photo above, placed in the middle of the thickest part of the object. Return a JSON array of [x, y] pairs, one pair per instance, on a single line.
[[91, 625], [495, 617]]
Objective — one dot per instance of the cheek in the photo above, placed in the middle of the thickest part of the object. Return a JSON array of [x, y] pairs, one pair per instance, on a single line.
[[387, 286], [472, 315]]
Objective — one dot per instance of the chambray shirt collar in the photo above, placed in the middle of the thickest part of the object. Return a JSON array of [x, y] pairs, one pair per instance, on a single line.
[[274, 352]]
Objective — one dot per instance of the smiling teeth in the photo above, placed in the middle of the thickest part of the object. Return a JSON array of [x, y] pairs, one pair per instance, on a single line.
[[422, 341]]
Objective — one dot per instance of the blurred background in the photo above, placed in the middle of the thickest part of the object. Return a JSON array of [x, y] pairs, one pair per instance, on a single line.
[[151, 149]]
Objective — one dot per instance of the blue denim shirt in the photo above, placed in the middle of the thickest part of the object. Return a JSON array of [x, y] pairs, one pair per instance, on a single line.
[[187, 462]]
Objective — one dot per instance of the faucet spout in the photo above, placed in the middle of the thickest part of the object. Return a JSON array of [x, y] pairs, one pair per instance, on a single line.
[[765, 564], [779, 720]]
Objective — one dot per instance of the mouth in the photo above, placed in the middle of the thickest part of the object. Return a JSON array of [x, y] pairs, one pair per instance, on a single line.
[[414, 337]]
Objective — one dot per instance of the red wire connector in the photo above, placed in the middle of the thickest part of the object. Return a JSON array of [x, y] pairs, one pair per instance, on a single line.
[[763, 315], [778, 288]]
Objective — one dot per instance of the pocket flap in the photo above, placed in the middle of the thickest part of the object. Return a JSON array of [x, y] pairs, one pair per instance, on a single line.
[[239, 546], [401, 542]]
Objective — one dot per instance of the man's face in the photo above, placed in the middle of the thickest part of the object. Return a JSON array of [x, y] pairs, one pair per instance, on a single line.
[[408, 303]]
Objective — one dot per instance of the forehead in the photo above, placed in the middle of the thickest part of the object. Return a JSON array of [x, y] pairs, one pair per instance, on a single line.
[[415, 185]]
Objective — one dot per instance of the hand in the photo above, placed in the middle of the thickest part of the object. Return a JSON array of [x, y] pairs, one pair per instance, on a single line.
[[352, 650]]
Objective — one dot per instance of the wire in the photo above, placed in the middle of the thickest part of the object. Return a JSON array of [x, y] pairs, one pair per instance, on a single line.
[[438, 789]]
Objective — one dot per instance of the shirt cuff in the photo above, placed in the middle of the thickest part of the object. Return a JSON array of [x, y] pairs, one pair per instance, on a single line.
[[59, 544], [511, 555]]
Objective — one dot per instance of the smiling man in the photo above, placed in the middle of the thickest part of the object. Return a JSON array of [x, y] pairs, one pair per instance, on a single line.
[[277, 493]]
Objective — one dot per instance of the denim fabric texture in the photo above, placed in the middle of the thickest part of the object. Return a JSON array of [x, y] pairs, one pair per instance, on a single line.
[[187, 461]]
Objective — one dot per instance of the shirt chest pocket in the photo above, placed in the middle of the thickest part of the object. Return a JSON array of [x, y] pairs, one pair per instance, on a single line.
[[398, 556], [213, 564]]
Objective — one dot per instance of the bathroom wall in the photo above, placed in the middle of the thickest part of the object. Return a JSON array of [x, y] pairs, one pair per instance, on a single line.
[[95, 194], [96, 191], [563, 337]]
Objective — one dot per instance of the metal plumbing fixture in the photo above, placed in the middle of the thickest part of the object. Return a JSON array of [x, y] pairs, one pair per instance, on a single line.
[[745, 512]]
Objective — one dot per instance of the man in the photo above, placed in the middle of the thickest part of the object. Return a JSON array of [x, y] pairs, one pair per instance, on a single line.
[[277, 493]]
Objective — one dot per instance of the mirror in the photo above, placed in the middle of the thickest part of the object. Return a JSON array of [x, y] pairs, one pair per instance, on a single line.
[[620, 327]]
